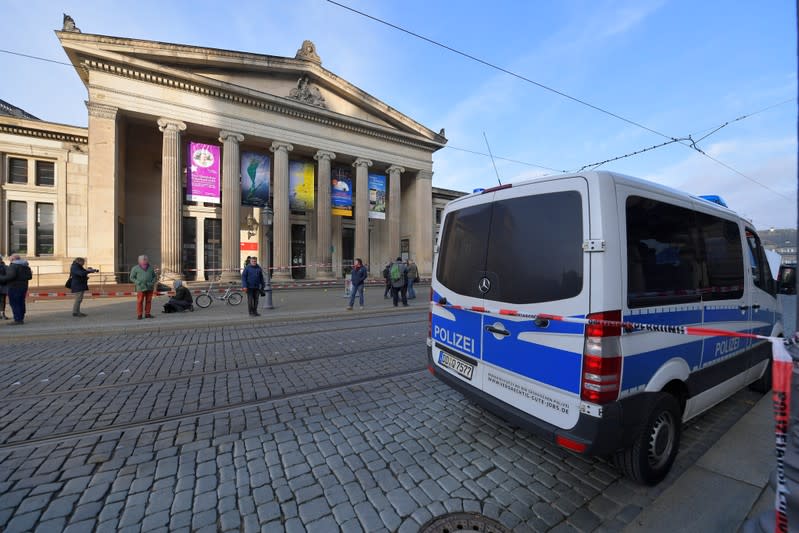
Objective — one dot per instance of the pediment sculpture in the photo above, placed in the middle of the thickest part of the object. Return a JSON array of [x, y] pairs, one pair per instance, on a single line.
[[306, 93], [69, 25], [308, 52]]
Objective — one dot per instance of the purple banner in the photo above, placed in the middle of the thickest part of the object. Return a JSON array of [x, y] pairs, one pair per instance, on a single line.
[[202, 178]]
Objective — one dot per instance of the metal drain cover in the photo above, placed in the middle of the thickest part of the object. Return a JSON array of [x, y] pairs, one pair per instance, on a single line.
[[457, 522]]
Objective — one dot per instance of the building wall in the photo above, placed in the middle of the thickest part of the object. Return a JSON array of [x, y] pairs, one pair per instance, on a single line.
[[32, 141]]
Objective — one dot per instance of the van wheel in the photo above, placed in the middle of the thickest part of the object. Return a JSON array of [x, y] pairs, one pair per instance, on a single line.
[[763, 384], [650, 457]]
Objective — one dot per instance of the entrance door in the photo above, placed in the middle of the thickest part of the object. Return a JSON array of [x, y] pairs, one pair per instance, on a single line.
[[189, 248], [213, 248], [298, 251], [347, 248]]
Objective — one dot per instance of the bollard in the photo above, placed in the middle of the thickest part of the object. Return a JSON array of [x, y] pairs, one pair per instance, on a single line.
[[268, 291]]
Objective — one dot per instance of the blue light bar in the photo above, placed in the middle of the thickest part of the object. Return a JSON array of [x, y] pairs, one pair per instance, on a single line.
[[714, 198]]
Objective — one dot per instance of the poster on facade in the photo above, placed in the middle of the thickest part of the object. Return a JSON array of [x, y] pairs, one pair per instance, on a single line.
[[202, 176], [255, 175], [377, 196], [341, 191], [301, 185]]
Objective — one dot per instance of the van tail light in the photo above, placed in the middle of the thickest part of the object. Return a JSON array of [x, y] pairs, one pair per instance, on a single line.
[[601, 374], [430, 316]]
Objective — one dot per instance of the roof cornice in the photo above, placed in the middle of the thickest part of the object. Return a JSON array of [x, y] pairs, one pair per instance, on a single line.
[[86, 50], [264, 101], [44, 130]]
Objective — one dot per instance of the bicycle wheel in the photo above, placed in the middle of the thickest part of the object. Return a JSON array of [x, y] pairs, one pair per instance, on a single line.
[[234, 298], [203, 300]]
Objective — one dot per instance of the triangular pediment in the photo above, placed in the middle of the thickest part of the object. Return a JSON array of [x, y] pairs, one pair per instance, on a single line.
[[298, 81]]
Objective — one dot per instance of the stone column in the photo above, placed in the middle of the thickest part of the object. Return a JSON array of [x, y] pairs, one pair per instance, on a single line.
[[394, 207], [103, 194], [324, 254], [422, 247], [231, 206], [171, 200], [282, 226], [362, 208]]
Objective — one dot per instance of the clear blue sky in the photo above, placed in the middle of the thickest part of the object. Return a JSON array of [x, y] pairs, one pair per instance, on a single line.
[[679, 67]]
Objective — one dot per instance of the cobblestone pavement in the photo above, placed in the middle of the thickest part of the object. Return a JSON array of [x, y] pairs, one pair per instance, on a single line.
[[312, 425]]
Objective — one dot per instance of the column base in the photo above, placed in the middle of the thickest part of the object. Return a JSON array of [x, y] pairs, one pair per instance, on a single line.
[[281, 276], [325, 274], [229, 277], [170, 276]]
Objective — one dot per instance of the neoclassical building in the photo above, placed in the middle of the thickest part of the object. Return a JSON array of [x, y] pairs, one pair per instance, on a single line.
[[193, 151]]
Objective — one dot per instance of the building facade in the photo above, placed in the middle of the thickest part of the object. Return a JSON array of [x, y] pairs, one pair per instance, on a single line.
[[43, 186], [200, 157]]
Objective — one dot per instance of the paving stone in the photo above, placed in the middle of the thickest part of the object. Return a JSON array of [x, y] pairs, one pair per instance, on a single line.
[[23, 522], [313, 510], [47, 526], [84, 526], [204, 518], [402, 502], [323, 525]]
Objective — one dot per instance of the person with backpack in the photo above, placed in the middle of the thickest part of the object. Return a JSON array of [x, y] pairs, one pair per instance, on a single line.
[[387, 277], [16, 278], [413, 277], [359, 273], [79, 283], [399, 277], [143, 277]]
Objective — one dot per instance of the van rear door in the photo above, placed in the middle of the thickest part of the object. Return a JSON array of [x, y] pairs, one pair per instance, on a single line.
[[536, 264], [459, 266]]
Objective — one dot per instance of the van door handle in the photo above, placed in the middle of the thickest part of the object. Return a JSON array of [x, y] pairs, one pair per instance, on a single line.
[[492, 329], [743, 307], [756, 307]]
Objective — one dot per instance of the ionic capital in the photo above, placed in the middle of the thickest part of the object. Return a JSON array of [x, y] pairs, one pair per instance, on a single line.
[[324, 155], [101, 110], [230, 136], [395, 169], [280, 146], [424, 175], [361, 162], [168, 124]]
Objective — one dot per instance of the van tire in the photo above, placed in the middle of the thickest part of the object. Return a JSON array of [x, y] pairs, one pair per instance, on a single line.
[[652, 453], [763, 383]]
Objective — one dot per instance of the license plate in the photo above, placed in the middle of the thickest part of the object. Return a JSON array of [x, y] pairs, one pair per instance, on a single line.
[[461, 368]]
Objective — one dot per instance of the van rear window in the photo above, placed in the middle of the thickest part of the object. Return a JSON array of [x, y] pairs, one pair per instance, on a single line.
[[529, 248]]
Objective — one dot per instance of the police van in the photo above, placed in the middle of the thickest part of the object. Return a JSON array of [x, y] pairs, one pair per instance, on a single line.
[[599, 245]]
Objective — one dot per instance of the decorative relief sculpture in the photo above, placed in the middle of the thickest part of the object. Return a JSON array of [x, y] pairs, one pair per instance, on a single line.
[[69, 25], [308, 52], [307, 94]]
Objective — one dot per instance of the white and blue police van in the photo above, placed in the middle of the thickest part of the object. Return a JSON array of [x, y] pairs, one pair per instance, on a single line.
[[599, 245]]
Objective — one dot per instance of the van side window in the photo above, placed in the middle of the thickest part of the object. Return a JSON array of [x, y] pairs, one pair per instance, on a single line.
[[464, 245], [662, 263], [761, 273], [723, 253]]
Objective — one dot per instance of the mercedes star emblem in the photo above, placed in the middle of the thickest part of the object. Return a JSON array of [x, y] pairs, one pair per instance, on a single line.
[[484, 286]]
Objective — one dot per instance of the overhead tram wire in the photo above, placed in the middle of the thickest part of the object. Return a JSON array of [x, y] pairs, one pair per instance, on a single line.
[[502, 69], [691, 145], [518, 162], [35, 57]]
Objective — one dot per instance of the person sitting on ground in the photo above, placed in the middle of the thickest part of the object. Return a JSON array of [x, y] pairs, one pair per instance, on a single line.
[[181, 301]]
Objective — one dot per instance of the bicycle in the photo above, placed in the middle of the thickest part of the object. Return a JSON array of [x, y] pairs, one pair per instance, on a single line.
[[232, 296]]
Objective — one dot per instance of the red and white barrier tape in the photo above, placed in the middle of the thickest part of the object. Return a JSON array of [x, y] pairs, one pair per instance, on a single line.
[[782, 371]]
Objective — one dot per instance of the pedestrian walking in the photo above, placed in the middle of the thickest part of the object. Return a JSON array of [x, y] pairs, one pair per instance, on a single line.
[[399, 278], [79, 283], [16, 278], [387, 278], [413, 277], [3, 291], [181, 301], [358, 277], [144, 278], [252, 280]]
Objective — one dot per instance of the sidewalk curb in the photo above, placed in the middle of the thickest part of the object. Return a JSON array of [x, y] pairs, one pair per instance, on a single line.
[[735, 470], [172, 327]]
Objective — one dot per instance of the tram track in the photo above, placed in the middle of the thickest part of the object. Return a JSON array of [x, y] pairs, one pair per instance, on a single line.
[[166, 379], [101, 353], [72, 435]]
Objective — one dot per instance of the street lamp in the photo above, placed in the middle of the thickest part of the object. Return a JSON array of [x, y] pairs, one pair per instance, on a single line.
[[266, 222]]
